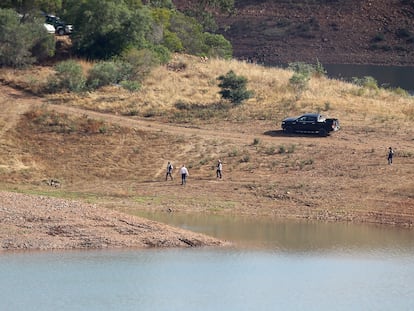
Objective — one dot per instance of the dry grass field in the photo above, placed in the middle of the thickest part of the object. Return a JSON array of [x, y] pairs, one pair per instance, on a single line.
[[111, 147]]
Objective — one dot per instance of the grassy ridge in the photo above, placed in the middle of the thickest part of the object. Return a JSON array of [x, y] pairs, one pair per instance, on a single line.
[[192, 82]]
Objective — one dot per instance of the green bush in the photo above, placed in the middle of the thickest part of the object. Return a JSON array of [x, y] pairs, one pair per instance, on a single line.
[[141, 62], [299, 82], [132, 86], [308, 70], [367, 82], [218, 46], [113, 72], [103, 73], [233, 88], [69, 77]]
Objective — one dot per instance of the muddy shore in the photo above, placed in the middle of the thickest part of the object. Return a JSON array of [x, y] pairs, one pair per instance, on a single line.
[[42, 223]]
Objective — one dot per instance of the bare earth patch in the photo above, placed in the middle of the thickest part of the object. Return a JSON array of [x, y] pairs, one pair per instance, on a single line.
[[37, 222]]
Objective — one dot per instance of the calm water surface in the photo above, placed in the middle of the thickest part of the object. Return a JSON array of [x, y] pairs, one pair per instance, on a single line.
[[274, 266], [387, 76]]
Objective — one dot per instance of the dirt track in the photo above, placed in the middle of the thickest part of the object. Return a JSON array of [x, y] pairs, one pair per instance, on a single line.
[[342, 178]]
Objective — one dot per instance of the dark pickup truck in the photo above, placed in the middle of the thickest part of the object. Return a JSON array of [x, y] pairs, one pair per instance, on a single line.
[[310, 123]]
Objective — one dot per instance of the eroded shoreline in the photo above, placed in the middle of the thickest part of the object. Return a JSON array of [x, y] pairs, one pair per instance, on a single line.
[[29, 222]]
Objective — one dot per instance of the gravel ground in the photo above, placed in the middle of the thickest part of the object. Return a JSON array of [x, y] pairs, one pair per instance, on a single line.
[[36, 222]]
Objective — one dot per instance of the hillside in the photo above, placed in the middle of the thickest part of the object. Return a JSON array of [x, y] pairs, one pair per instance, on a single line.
[[111, 147], [344, 32]]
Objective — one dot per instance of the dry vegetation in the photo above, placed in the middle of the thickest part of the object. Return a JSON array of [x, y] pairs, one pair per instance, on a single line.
[[111, 147]]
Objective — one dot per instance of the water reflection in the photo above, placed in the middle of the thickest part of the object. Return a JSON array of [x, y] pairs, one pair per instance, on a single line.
[[290, 235]]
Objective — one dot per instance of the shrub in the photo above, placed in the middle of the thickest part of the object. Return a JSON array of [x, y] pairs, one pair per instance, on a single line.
[[245, 158], [109, 72], [141, 62], [234, 152], [132, 86], [233, 88], [299, 83], [308, 70], [69, 76], [270, 150], [367, 82]]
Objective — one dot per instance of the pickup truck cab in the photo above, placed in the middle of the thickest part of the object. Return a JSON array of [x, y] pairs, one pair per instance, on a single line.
[[61, 27], [310, 123]]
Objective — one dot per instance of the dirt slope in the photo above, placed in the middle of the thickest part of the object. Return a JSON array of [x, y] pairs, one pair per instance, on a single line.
[[346, 31]]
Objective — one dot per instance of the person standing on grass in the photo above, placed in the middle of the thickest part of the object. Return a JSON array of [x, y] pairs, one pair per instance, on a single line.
[[184, 174], [219, 169], [169, 171], [390, 155]]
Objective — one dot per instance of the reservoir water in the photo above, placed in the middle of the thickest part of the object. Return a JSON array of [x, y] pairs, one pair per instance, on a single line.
[[274, 265], [387, 76]]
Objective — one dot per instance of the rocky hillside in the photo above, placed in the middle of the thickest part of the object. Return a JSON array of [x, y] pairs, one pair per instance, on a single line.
[[332, 31]]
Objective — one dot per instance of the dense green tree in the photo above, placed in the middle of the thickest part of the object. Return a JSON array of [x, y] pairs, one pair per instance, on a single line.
[[22, 43], [161, 4], [104, 28], [25, 7], [202, 11]]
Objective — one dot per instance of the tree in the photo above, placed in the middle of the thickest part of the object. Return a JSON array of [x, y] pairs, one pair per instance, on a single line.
[[202, 11], [22, 43], [190, 33], [218, 46], [105, 28], [25, 7], [233, 88]]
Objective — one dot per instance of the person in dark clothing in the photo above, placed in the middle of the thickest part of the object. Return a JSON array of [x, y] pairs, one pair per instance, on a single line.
[[169, 171], [219, 169], [390, 155]]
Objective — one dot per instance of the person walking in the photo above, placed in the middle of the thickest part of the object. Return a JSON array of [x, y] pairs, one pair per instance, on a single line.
[[219, 169], [170, 168], [390, 155], [184, 174]]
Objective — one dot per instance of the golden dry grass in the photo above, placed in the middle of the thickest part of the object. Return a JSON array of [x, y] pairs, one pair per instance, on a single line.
[[273, 97], [197, 84]]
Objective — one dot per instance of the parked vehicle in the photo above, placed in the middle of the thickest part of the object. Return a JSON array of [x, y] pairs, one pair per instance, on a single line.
[[49, 28], [61, 27], [310, 123]]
